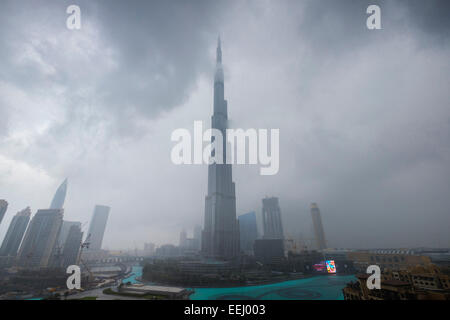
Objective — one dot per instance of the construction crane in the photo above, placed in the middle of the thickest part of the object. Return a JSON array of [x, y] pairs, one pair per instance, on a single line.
[[83, 224], [85, 244]]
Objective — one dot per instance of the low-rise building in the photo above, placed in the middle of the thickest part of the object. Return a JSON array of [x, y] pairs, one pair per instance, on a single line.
[[269, 251], [162, 291], [387, 259], [428, 278], [418, 283]]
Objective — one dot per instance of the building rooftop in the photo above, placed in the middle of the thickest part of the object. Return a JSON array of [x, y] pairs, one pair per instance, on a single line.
[[394, 283], [152, 288], [106, 269]]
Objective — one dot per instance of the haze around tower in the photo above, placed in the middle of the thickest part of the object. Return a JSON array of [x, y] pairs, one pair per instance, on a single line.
[[363, 116]]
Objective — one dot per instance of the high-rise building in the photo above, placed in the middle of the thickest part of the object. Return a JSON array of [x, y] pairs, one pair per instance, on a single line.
[[198, 237], [3, 207], [248, 231], [15, 233], [65, 228], [272, 224], [318, 227], [167, 250], [60, 196], [269, 251], [72, 245], [220, 236], [183, 237], [189, 245], [41, 238], [97, 227]]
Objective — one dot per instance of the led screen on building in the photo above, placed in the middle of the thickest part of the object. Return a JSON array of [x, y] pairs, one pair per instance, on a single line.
[[331, 267]]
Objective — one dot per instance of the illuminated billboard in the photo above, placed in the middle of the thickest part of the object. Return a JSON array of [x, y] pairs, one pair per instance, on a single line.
[[319, 267], [331, 267]]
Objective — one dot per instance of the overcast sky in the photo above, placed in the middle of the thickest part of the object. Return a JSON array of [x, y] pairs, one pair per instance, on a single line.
[[364, 115]]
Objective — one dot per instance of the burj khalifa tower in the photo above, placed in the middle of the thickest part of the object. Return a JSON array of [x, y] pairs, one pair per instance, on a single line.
[[220, 236]]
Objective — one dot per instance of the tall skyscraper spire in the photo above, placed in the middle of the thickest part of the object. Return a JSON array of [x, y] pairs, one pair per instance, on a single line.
[[218, 77], [219, 51], [220, 236]]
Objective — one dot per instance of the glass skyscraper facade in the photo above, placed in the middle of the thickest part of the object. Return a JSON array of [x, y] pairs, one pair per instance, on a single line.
[[3, 207], [248, 231], [220, 237], [318, 227], [72, 246], [60, 196], [41, 238], [15, 233], [97, 227], [272, 224]]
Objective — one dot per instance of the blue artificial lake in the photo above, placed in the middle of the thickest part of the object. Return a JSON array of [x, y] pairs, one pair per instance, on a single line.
[[328, 287], [324, 287], [136, 272]]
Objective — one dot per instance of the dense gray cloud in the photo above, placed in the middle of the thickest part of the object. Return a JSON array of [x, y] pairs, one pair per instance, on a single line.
[[363, 115]]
